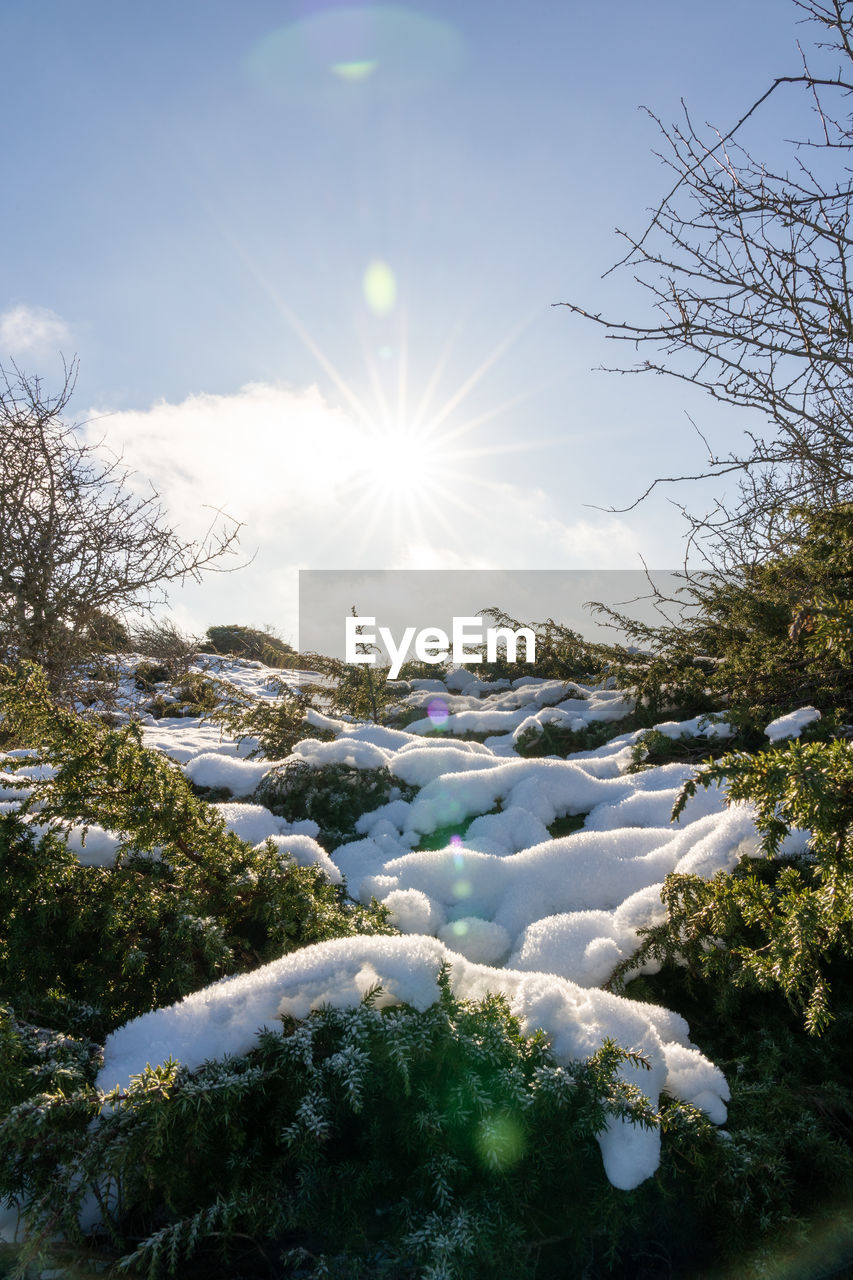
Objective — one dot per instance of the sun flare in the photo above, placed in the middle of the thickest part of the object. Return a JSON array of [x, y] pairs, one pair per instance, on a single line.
[[398, 460], [412, 464]]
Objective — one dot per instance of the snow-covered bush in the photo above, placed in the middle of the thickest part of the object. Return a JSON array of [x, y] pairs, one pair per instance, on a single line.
[[366, 1141], [760, 638], [551, 739], [181, 900], [777, 924], [332, 795], [247, 642], [277, 724]]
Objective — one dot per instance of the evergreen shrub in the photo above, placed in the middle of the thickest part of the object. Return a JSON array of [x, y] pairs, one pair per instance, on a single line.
[[278, 725], [781, 922], [185, 901], [759, 640], [333, 795], [253, 643], [361, 1142]]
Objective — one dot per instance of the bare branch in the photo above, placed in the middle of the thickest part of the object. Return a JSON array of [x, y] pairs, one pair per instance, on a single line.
[[76, 543], [747, 271]]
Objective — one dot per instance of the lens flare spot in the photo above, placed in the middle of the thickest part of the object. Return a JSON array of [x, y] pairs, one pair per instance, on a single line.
[[499, 1141], [450, 811], [463, 889], [380, 288], [354, 72], [459, 928], [389, 48], [439, 714]]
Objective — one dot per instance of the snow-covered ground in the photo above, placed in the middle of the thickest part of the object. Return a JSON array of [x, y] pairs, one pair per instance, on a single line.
[[511, 909]]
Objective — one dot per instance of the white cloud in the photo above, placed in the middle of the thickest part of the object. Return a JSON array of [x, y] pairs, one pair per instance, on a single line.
[[315, 491], [270, 455], [32, 330]]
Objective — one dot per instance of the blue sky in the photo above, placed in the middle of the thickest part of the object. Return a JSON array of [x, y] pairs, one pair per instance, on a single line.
[[197, 189]]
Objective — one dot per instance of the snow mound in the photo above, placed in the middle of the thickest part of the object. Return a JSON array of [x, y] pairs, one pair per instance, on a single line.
[[791, 725], [502, 887], [224, 1019]]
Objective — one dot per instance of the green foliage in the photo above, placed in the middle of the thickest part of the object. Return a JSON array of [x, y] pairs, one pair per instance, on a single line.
[[776, 1197], [566, 826], [353, 689], [759, 641], [668, 669], [361, 1142], [556, 740], [333, 795], [259, 645], [93, 946], [796, 784], [277, 724], [777, 924], [35, 1060], [186, 900], [831, 619], [561, 654]]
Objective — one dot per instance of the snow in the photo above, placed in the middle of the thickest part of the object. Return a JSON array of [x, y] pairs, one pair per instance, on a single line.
[[354, 752], [94, 846], [699, 726], [305, 851], [481, 941], [791, 725], [413, 911], [184, 741], [419, 766], [217, 769], [528, 704], [511, 908], [225, 1017]]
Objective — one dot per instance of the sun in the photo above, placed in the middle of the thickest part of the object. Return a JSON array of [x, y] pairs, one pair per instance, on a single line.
[[413, 463], [405, 482], [416, 465], [420, 473], [406, 450], [398, 460]]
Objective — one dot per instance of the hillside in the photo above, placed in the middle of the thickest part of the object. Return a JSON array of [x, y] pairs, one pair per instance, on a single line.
[[511, 887]]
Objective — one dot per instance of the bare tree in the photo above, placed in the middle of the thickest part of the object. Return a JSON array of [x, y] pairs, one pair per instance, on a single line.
[[76, 542], [165, 642], [748, 270]]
